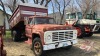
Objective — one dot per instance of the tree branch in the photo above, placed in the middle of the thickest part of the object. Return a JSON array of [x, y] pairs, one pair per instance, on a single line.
[[41, 2], [47, 1], [23, 1]]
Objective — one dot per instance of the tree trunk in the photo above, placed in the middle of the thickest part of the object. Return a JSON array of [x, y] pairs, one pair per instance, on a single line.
[[2, 5], [35, 1], [14, 5], [47, 1], [23, 1], [54, 16], [41, 2]]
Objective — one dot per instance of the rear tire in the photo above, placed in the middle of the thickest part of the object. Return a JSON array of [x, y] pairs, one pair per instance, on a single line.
[[37, 47], [82, 31], [16, 36]]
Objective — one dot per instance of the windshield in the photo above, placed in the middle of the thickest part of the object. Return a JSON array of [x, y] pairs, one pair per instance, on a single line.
[[71, 16], [89, 16], [41, 20], [79, 15], [95, 16]]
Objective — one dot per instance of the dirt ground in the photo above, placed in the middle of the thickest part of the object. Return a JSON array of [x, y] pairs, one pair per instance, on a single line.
[[23, 49]]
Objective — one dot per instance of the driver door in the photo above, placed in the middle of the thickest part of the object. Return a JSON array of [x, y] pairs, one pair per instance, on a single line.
[[28, 28]]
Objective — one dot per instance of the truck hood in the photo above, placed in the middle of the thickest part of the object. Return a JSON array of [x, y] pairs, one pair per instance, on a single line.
[[48, 27], [87, 21]]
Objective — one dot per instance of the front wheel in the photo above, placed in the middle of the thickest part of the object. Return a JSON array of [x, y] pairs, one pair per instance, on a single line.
[[37, 47]]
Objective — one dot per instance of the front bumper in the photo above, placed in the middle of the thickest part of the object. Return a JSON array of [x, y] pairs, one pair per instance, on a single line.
[[59, 44]]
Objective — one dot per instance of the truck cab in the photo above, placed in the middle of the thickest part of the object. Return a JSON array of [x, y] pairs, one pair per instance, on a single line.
[[96, 27], [50, 35], [84, 26]]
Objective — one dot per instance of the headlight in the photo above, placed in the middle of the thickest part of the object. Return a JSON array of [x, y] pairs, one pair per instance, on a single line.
[[48, 37]]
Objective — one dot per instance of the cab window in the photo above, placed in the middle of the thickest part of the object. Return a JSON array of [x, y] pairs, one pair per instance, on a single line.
[[31, 21]]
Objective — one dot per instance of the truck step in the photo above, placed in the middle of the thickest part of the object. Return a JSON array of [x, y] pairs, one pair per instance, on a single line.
[[29, 41]]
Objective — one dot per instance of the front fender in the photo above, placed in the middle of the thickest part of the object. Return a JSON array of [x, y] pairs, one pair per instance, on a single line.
[[41, 34]]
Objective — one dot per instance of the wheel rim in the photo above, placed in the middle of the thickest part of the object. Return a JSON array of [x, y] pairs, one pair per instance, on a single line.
[[37, 48]]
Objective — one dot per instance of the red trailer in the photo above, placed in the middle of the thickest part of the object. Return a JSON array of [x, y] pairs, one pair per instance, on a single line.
[[24, 11]]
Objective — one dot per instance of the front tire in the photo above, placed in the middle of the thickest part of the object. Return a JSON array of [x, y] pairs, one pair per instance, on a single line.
[[37, 47]]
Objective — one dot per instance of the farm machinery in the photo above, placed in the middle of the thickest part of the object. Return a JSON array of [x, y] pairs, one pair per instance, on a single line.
[[84, 26]]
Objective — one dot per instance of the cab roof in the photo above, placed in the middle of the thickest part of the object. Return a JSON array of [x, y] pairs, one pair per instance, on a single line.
[[33, 5], [40, 17]]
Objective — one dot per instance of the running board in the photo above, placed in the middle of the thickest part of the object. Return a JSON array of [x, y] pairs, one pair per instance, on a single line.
[[29, 41]]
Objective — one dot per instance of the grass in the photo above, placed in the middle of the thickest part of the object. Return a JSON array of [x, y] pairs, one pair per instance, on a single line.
[[8, 34]]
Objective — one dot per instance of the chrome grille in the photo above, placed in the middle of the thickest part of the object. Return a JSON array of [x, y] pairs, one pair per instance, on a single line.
[[62, 36]]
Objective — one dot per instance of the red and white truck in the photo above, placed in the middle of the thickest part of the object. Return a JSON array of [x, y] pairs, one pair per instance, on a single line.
[[40, 30], [84, 26]]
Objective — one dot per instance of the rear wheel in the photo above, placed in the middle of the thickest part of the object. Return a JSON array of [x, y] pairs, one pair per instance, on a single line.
[[37, 47], [81, 31], [16, 36]]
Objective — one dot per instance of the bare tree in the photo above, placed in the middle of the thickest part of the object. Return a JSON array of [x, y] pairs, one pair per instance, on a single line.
[[23, 1], [36, 1], [61, 5], [11, 4], [53, 8], [4, 9], [41, 2], [72, 7], [47, 1], [87, 5]]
